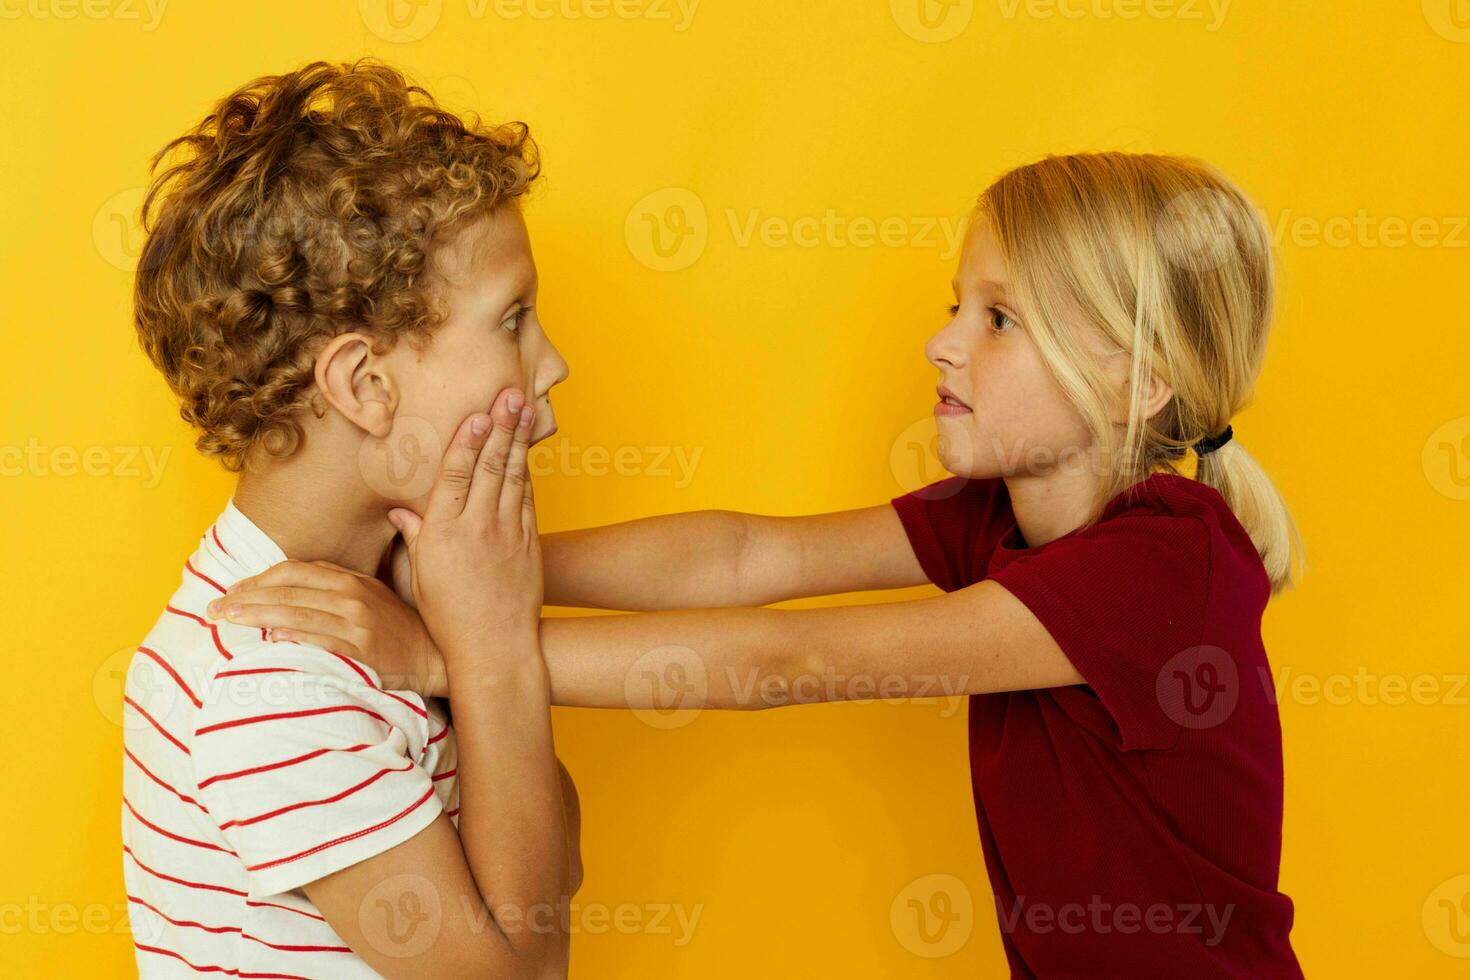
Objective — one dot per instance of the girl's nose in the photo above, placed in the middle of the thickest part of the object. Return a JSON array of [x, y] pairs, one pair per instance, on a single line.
[[943, 349]]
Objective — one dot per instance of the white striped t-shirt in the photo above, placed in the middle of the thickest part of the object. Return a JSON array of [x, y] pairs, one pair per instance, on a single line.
[[251, 768]]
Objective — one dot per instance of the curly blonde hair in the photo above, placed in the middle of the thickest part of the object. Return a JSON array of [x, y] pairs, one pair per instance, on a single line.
[[308, 204]]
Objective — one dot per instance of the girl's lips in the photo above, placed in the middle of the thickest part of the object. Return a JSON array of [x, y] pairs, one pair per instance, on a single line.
[[949, 404]]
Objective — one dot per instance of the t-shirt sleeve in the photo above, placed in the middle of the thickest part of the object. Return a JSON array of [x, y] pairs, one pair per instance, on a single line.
[[306, 766], [1122, 599], [947, 524]]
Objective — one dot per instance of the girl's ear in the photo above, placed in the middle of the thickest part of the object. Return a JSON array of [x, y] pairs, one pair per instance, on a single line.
[[1156, 393], [355, 382]]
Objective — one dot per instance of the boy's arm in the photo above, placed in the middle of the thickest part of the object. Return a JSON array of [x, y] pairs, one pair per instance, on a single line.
[[508, 867], [708, 559]]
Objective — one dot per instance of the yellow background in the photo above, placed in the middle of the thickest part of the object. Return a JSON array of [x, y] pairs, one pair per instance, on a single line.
[[796, 371]]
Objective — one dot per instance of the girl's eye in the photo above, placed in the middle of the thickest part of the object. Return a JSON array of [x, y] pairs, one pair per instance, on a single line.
[[513, 323], [1000, 321], [954, 309]]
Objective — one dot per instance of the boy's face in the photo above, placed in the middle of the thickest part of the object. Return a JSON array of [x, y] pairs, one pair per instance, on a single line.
[[492, 338]]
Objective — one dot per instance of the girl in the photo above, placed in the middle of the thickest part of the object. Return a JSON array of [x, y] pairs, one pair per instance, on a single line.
[[1102, 600]]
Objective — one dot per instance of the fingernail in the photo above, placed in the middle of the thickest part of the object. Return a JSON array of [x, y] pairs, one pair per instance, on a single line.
[[480, 425], [213, 608], [514, 401], [281, 635], [527, 414]]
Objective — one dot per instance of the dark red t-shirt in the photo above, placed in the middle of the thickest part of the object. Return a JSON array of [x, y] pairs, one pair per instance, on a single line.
[[1131, 825]]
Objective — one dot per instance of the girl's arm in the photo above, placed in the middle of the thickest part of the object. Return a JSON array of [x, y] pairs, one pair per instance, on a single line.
[[976, 640], [708, 559]]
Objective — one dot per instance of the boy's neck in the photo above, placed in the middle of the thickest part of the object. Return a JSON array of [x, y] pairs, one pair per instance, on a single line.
[[317, 513]]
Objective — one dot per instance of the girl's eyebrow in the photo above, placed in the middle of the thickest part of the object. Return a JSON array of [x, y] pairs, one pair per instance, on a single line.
[[998, 288]]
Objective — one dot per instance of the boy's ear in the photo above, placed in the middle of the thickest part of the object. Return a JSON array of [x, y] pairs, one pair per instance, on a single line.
[[354, 381]]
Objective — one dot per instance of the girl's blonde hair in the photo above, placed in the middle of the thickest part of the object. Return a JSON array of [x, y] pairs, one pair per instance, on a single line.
[[1171, 263]]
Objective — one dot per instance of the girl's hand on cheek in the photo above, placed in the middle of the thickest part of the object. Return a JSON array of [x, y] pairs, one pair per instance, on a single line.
[[475, 556], [342, 611]]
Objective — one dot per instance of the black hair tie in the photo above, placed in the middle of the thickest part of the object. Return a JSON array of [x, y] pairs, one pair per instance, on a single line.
[[1211, 443]]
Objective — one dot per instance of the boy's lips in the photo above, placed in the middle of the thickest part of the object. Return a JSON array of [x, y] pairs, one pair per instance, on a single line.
[[948, 404]]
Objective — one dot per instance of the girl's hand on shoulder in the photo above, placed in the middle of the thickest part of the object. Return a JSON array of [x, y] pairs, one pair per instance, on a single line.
[[343, 611]]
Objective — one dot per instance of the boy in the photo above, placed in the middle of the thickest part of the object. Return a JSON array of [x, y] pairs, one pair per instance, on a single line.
[[337, 278]]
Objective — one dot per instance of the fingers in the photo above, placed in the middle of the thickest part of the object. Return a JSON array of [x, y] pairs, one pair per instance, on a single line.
[[517, 486], [452, 485], [327, 600], [528, 511], [311, 574], [490, 474], [294, 622], [408, 523]]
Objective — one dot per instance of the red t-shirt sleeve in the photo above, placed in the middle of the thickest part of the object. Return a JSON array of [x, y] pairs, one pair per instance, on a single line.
[[1122, 598], [948, 524]]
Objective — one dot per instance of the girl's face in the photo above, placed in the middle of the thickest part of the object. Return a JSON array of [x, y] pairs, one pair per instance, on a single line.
[[492, 338], [1000, 411]]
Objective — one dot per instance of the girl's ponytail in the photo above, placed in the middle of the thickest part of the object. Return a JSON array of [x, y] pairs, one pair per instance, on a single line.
[[1258, 506]]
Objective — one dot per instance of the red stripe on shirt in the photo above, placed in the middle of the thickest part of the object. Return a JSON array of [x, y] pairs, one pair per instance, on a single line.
[[298, 949], [172, 836], [444, 775], [149, 773], [187, 923], [189, 566], [168, 669], [277, 765], [218, 969], [215, 534], [182, 881], [214, 630], [256, 719], [284, 908], [335, 798], [154, 722], [181, 922], [349, 837], [369, 682], [256, 670]]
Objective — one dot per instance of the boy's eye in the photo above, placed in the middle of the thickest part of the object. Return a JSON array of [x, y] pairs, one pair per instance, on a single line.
[[513, 322]]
